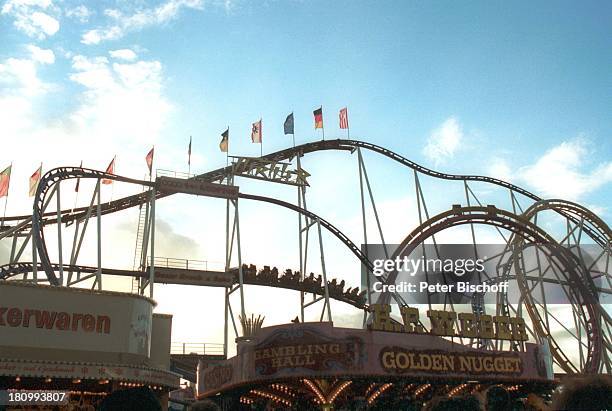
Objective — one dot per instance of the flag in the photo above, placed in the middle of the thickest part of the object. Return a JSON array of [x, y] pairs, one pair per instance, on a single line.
[[110, 170], [289, 124], [256, 132], [344, 118], [223, 145], [189, 153], [149, 159], [318, 117], [34, 179], [5, 179], [76, 187]]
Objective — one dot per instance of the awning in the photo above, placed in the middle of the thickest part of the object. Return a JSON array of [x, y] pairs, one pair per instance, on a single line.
[[87, 370]]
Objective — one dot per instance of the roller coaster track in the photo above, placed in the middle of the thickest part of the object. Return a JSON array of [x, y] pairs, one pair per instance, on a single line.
[[10, 270], [38, 220], [583, 292], [518, 224], [70, 215], [63, 173], [221, 173]]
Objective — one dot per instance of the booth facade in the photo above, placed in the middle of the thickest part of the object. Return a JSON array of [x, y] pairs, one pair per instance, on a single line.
[[320, 366], [87, 342]]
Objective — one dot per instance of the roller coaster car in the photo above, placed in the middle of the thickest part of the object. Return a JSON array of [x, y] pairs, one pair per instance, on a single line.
[[287, 277], [457, 209], [491, 210]]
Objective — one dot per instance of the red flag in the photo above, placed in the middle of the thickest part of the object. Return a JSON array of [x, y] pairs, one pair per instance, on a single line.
[[110, 170], [344, 118], [34, 179], [149, 159], [318, 117], [5, 180], [76, 187]]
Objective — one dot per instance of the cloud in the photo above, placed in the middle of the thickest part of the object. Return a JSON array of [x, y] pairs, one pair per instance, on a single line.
[[42, 56], [138, 20], [123, 54], [21, 78], [80, 13], [32, 18], [500, 169], [561, 172], [124, 100], [444, 141]]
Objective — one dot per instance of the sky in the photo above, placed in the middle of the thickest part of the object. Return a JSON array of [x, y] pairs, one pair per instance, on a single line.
[[515, 90]]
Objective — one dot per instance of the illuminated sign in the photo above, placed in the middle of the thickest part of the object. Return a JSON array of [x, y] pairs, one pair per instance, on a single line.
[[400, 360], [269, 170], [443, 323], [195, 186], [306, 350]]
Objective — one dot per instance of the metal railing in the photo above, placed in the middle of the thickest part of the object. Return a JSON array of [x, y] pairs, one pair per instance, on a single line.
[[196, 348], [182, 263], [172, 173]]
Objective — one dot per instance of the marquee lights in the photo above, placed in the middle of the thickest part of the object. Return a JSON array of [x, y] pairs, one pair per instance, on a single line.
[[421, 390], [270, 396], [456, 390], [338, 390], [315, 390], [378, 392]]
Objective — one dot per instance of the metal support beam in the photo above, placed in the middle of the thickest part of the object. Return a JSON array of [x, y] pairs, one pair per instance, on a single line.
[[152, 265], [326, 286], [59, 233], [99, 221]]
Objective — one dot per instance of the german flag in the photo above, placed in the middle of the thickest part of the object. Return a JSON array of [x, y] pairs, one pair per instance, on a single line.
[[318, 117]]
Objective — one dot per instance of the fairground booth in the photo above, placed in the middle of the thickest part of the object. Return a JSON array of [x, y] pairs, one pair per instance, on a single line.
[[86, 342], [387, 366]]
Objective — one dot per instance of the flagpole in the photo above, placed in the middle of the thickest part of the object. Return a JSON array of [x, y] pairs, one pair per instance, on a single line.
[[227, 151], [322, 123], [189, 159], [76, 197], [151, 169], [4, 216], [113, 185], [7, 195], [260, 139]]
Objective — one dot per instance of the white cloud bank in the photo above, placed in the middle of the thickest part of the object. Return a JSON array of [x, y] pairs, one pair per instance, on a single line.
[[138, 20], [42, 56], [563, 171], [32, 17], [444, 141], [80, 13], [123, 54]]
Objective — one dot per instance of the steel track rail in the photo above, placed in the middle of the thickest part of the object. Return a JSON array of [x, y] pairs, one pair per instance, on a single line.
[[8, 271], [220, 173], [524, 230]]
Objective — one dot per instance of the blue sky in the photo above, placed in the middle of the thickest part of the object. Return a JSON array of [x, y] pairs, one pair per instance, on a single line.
[[518, 79], [517, 90]]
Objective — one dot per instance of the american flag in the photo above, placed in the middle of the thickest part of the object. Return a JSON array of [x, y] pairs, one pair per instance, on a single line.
[[344, 118]]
